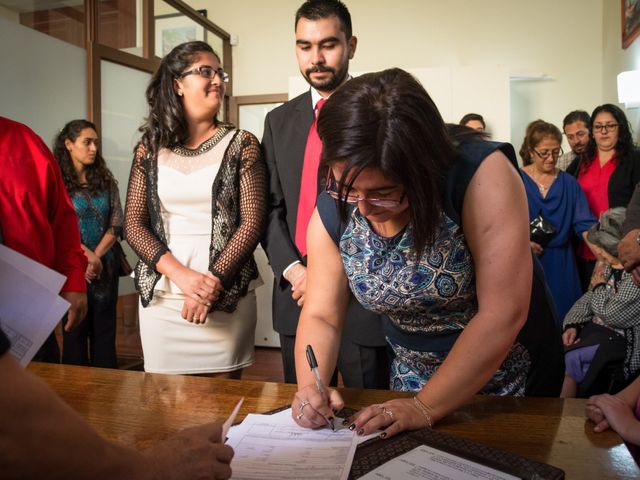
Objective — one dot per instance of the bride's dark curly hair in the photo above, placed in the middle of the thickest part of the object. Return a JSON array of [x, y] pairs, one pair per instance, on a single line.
[[166, 125], [99, 177]]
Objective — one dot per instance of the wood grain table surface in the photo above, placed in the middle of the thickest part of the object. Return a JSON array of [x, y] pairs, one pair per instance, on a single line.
[[139, 409]]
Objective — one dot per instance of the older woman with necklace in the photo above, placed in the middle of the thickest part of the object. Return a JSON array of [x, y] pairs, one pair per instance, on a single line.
[[558, 198]]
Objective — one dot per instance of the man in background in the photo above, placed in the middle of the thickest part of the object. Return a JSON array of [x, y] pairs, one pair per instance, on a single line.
[[474, 121], [324, 46], [576, 128]]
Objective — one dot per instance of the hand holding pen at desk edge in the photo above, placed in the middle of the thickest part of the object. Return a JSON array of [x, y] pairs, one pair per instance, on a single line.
[[314, 405]]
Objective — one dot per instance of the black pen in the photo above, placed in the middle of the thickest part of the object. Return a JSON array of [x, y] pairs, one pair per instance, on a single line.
[[313, 364]]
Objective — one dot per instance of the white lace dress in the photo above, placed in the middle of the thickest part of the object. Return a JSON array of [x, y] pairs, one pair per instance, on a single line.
[[225, 342]]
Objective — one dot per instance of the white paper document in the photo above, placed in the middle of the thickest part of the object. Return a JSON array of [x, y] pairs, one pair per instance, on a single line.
[[270, 447], [30, 306], [425, 462]]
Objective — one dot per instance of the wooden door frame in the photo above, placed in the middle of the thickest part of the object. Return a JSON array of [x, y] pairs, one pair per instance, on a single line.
[[148, 62], [236, 102]]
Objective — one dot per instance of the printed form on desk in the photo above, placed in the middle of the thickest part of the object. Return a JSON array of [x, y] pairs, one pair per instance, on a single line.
[[274, 447], [425, 462]]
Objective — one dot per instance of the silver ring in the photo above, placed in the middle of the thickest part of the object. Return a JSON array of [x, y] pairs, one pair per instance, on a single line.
[[387, 412], [302, 405], [299, 416]]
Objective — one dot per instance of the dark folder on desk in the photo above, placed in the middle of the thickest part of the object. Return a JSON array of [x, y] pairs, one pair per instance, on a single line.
[[375, 452]]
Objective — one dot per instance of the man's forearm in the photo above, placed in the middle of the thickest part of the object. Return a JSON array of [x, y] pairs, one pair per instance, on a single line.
[[42, 437]]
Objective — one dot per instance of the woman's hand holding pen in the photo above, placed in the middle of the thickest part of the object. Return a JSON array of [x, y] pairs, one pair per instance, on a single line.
[[312, 409]]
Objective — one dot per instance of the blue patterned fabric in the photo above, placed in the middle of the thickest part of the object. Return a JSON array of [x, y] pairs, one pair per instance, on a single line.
[[435, 293], [432, 294], [92, 226]]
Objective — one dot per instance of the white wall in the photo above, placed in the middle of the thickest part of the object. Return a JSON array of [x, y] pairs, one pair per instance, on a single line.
[[616, 60], [9, 15], [562, 39], [44, 80]]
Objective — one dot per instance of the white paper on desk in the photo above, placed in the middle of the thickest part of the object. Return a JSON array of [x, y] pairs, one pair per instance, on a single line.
[[30, 306], [270, 447], [425, 462], [286, 414]]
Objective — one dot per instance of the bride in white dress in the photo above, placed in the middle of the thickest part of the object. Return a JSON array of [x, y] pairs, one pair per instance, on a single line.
[[195, 212]]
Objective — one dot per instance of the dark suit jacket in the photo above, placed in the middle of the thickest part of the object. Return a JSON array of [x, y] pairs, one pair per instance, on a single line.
[[284, 141]]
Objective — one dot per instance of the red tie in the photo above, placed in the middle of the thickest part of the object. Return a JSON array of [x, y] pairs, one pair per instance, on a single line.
[[309, 182]]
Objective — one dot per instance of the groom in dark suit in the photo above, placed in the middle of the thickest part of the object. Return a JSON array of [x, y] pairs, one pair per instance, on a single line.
[[324, 46]]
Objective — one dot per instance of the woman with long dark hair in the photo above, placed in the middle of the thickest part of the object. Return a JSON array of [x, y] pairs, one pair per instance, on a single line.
[[195, 212], [95, 197], [555, 197], [430, 229], [608, 172]]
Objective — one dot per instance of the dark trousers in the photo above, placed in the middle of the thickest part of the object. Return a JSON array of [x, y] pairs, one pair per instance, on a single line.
[[360, 366], [49, 352], [585, 270], [93, 342]]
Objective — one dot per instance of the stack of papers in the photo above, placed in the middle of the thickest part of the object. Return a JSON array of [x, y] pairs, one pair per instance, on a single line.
[[275, 447], [30, 306]]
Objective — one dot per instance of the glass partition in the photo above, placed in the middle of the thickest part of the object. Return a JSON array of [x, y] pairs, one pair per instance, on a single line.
[[63, 19], [251, 117], [120, 25], [123, 110]]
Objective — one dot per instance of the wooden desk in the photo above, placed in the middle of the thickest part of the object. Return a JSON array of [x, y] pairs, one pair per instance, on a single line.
[[139, 409]]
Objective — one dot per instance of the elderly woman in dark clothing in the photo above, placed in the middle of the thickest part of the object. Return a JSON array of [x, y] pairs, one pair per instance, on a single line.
[[603, 326]]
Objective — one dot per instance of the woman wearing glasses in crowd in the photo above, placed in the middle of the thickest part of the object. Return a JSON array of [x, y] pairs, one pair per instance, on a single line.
[[95, 197], [431, 230], [607, 172], [195, 212], [558, 199]]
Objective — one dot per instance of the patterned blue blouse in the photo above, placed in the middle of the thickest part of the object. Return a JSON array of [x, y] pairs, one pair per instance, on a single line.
[[433, 294]]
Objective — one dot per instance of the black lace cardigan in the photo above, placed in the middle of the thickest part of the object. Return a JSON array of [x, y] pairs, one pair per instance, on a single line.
[[238, 211]]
